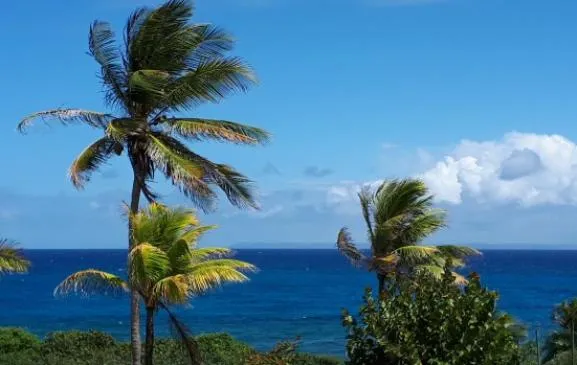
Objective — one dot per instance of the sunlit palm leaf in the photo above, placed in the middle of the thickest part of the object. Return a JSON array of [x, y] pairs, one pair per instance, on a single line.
[[212, 274], [67, 116], [222, 130], [91, 159], [89, 282], [347, 247], [11, 258], [162, 225], [148, 264], [120, 129], [174, 289], [438, 271], [415, 255], [208, 253]]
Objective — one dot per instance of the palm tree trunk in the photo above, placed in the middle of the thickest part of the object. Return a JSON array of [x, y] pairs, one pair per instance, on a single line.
[[149, 342], [573, 341], [135, 341], [381, 279]]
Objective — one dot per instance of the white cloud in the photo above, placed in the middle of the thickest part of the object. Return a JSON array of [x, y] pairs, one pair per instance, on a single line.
[[523, 168]]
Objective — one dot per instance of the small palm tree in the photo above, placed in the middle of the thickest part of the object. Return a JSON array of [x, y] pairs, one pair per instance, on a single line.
[[166, 66], [167, 268], [11, 258], [399, 214], [558, 342]]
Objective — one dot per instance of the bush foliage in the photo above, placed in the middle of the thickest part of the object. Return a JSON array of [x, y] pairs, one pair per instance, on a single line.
[[427, 321], [19, 347]]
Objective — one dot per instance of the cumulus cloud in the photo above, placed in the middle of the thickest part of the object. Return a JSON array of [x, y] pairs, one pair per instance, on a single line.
[[524, 168]]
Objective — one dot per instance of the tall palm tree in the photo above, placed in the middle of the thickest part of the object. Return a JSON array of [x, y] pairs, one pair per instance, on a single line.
[[167, 268], [165, 66], [11, 259], [399, 214]]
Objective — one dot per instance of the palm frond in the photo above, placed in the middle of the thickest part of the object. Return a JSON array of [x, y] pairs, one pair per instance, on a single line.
[[209, 42], [89, 282], [193, 234], [148, 264], [220, 130], [458, 252], [214, 273], [11, 258], [102, 46], [184, 335], [185, 171], [162, 226], [173, 289], [208, 253], [414, 228], [210, 81], [68, 116], [193, 174], [438, 271], [401, 197], [160, 38], [366, 200], [415, 255], [147, 87], [93, 157], [121, 128], [179, 256], [347, 247]]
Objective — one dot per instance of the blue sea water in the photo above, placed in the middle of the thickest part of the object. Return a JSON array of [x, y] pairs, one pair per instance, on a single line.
[[295, 293]]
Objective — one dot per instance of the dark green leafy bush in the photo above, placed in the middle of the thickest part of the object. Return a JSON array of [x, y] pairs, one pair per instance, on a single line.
[[285, 353], [18, 347], [431, 321], [17, 340]]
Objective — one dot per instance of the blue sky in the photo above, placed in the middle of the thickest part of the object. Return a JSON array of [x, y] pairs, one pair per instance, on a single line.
[[478, 97]]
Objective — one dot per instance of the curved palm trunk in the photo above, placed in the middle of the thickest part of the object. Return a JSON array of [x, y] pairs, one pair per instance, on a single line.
[[149, 342], [135, 341]]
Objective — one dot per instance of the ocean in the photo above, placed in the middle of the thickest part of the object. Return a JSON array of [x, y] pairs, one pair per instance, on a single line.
[[295, 293]]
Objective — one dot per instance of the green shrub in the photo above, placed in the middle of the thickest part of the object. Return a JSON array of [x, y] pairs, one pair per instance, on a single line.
[[431, 321], [17, 340], [222, 348], [83, 348], [76, 343], [285, 353], [18, 347]]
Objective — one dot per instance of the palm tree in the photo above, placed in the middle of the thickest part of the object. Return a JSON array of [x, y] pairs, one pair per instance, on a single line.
[[11, 259], [167, 268], [166, 66], [399, 214], [563, 340]]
